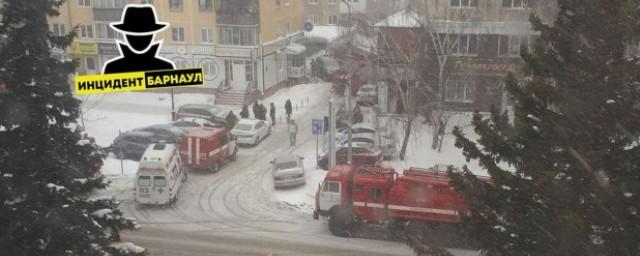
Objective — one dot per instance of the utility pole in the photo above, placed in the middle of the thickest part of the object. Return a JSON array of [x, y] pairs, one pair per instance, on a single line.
[[348, 107], [332, 135], [173, 107]]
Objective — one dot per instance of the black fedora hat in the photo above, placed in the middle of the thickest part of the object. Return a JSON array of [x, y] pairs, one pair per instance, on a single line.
[[139, 19]]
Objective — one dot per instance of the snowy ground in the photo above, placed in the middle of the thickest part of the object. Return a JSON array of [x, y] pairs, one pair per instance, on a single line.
[[240, 199]]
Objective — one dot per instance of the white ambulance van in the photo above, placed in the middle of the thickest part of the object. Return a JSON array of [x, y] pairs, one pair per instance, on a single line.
[[160, 174]]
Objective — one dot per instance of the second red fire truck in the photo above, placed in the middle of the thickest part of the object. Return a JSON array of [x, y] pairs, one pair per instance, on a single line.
[[350, 195]]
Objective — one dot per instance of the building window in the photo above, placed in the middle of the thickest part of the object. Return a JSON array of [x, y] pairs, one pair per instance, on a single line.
[[510, 45], [146, 1], [86, 31], [90, 63], [58, 29], [313, 1], [177, 34], [181, 63], [333, 20], [313, 19], [459, 90], [237, 35], [207, 35], [228, 70], [466, 45], [104, 31], [464, 3], [84, 3], [110, 4], [205, 5], [248, 71], [209, 69], [175, 5], [514, 3]]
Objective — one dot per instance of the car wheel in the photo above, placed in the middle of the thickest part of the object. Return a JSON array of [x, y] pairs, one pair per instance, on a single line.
[[214, 167], [255, 143]]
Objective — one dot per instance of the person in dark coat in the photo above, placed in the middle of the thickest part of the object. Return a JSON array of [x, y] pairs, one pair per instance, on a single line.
[[256, 110], [245, 112], [288, 109], [272, 113], [138, 25], [231, 120], [263, 112]]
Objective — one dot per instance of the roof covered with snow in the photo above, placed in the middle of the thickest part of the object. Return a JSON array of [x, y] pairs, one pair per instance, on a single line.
[[326, 32], [405, 18]]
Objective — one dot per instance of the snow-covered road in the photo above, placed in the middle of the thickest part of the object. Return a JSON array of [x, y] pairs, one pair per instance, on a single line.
[[239, 201]]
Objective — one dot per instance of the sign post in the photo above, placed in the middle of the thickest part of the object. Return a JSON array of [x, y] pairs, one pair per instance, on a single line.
[[316, 129]]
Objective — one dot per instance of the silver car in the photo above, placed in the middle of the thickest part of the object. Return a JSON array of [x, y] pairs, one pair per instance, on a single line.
[[288, 171]]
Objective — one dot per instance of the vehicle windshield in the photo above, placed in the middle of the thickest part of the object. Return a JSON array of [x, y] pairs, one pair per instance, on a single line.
[[243, 127], [159, 181], [144, 181], [286, 165]]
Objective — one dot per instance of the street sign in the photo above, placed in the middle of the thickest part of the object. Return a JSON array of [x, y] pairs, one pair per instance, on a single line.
[[316, 126], [308, 26]]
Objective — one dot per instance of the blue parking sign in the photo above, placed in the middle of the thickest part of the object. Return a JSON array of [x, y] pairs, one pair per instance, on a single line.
[[316, 126]]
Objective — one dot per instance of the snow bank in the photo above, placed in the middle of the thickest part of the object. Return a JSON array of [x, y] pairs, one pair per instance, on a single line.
[[128, 248], [101, 213]]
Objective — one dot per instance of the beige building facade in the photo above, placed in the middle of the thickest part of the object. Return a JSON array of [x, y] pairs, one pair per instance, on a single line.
[[240, 44]]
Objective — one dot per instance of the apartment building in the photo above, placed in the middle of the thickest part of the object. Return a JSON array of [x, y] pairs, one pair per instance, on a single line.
[[322, 12], [259, 43], [483, 42], [242, 45]]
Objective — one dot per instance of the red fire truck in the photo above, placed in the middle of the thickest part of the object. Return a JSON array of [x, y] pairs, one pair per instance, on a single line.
[[208, 148], [350, 195]]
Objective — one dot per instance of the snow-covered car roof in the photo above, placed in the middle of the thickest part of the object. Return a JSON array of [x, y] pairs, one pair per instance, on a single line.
[[286, 159]]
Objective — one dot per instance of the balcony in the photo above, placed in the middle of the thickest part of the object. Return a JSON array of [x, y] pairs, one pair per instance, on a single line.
[[237, 12], [107, 14]]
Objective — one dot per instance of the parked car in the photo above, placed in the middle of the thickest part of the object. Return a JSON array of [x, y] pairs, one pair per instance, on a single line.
[[251, 131], [165, 132], [191, 123], [362, 155], [132, 144], [209, 112], [288, 170], [367, 94], [387, 146], [355, 129]]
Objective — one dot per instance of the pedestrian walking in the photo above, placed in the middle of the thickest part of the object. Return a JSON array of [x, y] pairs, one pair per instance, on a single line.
[[288, 109], [293, 131], [231, 120], [263, 112], [256, 110], [245, 112], [272, 113]]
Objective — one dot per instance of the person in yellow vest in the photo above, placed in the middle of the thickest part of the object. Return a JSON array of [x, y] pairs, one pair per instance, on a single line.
[[293, 131]]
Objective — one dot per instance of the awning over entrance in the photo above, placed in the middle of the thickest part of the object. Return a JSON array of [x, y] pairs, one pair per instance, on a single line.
[[294, 48]]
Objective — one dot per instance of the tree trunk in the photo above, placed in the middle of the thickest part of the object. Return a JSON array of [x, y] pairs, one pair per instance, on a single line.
[[407, 134]]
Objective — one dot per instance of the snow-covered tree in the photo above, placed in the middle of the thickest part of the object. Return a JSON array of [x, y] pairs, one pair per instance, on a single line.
[[46, 168], [566, 173]]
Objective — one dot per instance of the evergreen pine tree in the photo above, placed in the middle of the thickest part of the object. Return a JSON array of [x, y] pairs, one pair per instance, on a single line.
[[46, 168], [566, 173]]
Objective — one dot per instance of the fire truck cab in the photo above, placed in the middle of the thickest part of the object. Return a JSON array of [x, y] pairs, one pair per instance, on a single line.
[[375, 194]]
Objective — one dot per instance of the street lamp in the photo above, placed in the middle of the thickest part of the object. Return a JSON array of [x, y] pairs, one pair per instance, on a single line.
[[348, 107]]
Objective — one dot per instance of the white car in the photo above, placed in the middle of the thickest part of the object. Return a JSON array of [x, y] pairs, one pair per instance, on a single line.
[[251, 131], [288, 171]]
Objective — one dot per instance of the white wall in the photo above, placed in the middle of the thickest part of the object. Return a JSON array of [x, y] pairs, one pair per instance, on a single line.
[[196, 61], [272, 75], [359, 6]]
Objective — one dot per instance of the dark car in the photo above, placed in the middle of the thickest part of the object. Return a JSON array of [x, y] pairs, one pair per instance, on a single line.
[[209, 112], [362, 155], [132, 144], [165, 132]]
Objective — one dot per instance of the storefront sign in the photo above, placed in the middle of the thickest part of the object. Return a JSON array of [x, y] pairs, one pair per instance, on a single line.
[[108, 49], [84, 48], [484, 66]]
